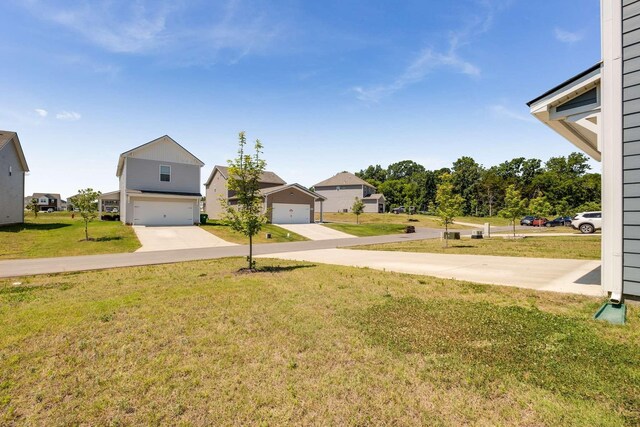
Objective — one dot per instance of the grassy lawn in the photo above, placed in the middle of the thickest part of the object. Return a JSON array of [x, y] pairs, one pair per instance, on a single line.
[[301, 344], [56, 234], [494, 220], [536, 247], [278, 235], [385, 218], [362, 230]]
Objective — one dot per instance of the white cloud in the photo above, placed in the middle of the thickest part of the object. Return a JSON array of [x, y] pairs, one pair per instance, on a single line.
[[430, 59], [158, 27], [568, 36], [41, 112], [69, 116], [501, 111]]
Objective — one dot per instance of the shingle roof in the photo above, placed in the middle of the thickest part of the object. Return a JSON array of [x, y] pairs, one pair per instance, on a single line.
[[126, 153], [376, 196], [342, 178], [7, 136], [266, 177]]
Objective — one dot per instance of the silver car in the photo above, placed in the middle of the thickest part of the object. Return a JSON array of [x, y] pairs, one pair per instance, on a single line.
[[587, 222]]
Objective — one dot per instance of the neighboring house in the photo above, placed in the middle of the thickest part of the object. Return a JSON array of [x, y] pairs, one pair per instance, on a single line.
[[599, 112], [13, 166], [342, 189], [109, 202], [159, 184], [283, 203], [46, 201]]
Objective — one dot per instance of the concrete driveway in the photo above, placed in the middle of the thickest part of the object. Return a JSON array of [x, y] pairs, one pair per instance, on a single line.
[[556, 275], [176, 237], [315, 231]]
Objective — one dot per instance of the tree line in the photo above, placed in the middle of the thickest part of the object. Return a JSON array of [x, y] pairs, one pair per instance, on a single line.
[[559, 186]]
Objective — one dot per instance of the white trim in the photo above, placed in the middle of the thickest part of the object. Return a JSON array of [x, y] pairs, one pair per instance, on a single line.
[[611, 135], [160, 174]]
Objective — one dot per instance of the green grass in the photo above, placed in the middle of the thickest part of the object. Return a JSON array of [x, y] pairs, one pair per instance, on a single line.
[[298, 344], [278, 234], [56, 234], [494, 220], [536, 247], [385, 218], [363, 230]]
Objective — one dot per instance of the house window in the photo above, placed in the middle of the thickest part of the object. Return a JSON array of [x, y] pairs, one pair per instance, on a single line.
[[165, 173]]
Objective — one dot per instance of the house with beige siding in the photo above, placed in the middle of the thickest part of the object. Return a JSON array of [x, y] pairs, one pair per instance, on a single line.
[[159, 184], [283, 203], [341, 191], [13, 167]]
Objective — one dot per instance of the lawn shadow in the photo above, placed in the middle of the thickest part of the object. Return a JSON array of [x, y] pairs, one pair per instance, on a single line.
[[282, 268], [108, 239], [28, 226]]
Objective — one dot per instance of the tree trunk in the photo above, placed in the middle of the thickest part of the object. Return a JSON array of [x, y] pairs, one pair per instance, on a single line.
[[86, 230], [446, 234], [514, 228], [250, 252]]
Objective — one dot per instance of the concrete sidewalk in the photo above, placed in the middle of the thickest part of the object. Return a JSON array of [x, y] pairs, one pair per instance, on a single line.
[[556, 275]]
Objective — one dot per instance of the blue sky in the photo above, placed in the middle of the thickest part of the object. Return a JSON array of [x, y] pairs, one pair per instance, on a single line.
[[327, 86]]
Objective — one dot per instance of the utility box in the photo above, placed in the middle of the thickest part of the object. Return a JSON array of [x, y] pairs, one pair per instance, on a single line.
[[487, 229], [451, 235], [476, 234]]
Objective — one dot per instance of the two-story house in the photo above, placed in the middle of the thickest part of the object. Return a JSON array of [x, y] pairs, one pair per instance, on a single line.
[[45, 201], [159, 184], [13, 166], [283, 203], [341, 191]]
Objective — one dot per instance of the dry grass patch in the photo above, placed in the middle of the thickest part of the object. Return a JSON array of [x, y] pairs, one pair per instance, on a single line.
[[566, 247], [196, 344]]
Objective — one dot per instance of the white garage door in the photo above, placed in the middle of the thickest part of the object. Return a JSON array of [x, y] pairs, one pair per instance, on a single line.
[[162, 213], [286, 213]]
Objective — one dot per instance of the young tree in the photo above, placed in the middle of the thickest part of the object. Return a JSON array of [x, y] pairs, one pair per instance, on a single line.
[[87, 203], [449, 204], [540, 207], [357, 208], [244, 176], [33, 207], [514, 206]]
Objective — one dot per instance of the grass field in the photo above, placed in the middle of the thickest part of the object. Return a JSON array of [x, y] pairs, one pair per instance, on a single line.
[[56, 234], [536, 247], [494, 220], [301, 344], [363, 230], [278, 235], [386, 218]]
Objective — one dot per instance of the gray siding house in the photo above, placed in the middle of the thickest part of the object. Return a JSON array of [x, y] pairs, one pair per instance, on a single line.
[[13, 166], [342, 189], [598, 111], [159, 184]]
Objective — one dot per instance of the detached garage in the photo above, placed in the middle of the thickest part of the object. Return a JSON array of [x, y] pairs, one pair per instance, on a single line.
[[290, 204]]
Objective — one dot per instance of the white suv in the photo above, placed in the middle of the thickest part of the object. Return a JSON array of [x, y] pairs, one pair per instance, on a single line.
[[587, 222]]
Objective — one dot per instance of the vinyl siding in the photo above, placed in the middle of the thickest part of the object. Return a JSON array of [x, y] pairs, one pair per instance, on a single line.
[[217, 188], [338, 200], [290, 196], [144, 174], [631, 145], [11, 187]]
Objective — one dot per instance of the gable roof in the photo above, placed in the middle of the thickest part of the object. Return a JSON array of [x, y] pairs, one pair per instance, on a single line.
[[377, 196], [266, 177], [271, 190], [47, 195], [343, 178], [155, 141], [6, 137]]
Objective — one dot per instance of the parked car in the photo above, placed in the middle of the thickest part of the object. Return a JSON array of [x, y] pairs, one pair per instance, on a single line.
[[560, 221], [49, 210], [116, 210], [539, 222], [587, 222], [527, 220], [398, 210]]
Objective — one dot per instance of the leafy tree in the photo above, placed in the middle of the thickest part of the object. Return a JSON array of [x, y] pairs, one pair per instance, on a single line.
[[449, 204], [87, 203], [466, 174], [33, 207], [375, 175], [514, 206], [357, 208], [244, 176], [393, 191], [404, 169], [540, 206]]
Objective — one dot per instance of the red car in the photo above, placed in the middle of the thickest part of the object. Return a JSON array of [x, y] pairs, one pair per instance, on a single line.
[[539, 222]]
